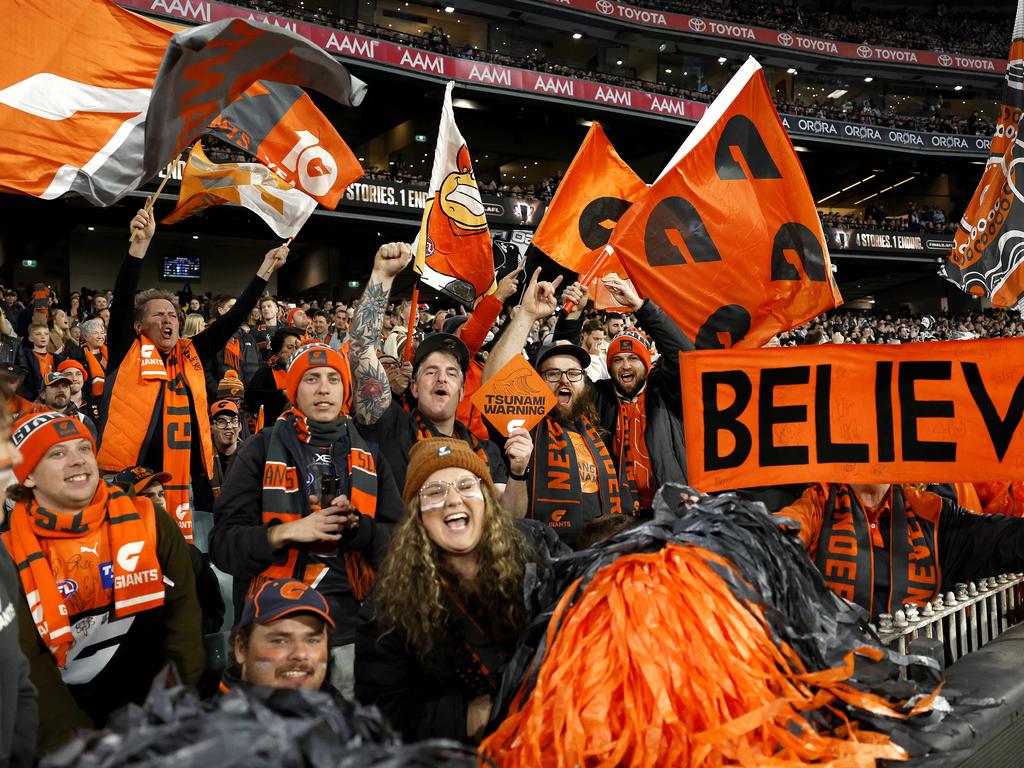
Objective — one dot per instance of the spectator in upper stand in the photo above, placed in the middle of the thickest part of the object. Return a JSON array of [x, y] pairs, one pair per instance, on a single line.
[[75, 372], [268, 388], [594, 341], [339, 330], [297, 318], [269, 313], [113, 596], [639, 404], [12, 354], [226, 425], [41, 362], [309, 498], [438, 386], [99, 303], [56, 396], [94, 353], [195, 324], [321, 326], [12, 307], [154, 412], [395, 339]]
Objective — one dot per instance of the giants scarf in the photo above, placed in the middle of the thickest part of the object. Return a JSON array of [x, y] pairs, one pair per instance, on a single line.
[[97, 370], [136, 574], [852, 565], [459, 432], [233, 354], [556, 475], [285, 498], [631, 449]]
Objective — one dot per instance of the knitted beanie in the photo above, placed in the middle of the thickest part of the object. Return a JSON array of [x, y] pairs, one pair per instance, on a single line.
[[434, 453]]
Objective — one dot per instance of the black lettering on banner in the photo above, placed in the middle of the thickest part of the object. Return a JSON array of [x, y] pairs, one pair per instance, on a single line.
[[912, 409], [1000, 430], [793, 237], [883, 412], [741, 136], [727, 420], [770, 414], [677, 214], [828, 451], [732, 319], [594, 232], [186, 435]]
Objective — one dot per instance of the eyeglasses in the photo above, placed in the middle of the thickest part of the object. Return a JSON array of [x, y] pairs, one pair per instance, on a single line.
[[226, 422], [553, 375], [434, 495]]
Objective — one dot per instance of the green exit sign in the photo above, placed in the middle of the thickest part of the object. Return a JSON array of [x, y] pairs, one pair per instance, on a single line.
[[29, 263], [354, 283], [421, 138]]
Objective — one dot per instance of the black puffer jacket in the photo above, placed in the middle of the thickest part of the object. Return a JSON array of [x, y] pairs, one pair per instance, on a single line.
[[663, 393]]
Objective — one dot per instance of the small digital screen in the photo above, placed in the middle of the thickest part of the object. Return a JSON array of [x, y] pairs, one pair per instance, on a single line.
[[182, 267]]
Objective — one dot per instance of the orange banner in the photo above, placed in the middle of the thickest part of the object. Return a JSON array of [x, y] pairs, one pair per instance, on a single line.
[[516, 396], [727, 241], [926, 412], [596, 191]]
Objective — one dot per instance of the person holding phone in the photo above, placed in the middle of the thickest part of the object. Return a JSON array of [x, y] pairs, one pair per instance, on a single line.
[[309, 499]]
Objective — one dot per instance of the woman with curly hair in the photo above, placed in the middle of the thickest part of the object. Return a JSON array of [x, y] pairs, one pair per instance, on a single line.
[[448, 607]]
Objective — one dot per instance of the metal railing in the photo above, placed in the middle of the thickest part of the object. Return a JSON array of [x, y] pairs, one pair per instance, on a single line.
[[963, 620]]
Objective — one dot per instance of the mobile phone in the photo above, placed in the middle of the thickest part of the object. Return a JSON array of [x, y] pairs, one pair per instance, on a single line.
[[328, 489]]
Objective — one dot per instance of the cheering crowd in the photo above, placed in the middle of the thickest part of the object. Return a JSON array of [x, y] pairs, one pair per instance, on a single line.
[[375, 529]]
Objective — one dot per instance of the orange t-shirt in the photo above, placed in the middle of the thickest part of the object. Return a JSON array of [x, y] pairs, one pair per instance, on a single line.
[[45, 361]]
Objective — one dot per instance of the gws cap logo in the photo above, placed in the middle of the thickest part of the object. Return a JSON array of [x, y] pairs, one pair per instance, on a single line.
[[864, 51], [698, 25], [945, 60], [67, 587], [293, 590], [128, 555], [181, 511], [444, 450], [605, 7], [318, 357], [65, 428], [785, 39], [626, 345]]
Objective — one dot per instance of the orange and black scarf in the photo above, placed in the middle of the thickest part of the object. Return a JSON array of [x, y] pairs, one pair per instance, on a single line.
[[97, 369], [285, 498], [137, 578], [556, 476], [853, 566], [233, 354], [631, 450]]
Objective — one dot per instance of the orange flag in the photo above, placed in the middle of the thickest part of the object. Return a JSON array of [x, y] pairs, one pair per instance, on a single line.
[[727, 241]]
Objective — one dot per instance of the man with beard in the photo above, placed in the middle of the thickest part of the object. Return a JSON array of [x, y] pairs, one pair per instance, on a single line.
[[339, 331], [574, 479], [639, 405], [76, 373], [56, 396], [438, 385]]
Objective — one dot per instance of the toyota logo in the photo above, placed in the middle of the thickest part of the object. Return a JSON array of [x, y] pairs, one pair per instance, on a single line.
[[945, 60], [605, 7], [864, 51], [786, 39], [698, 25]]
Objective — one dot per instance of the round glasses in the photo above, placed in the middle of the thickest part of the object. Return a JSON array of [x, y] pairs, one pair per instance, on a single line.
[[434, 495], [552, 375]]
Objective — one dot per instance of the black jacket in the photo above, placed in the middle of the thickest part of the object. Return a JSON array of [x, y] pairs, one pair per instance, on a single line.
[[32, 384], [427, 698], [663, 392], [262, 389], [12, 357], [19, 714], [239, 544]]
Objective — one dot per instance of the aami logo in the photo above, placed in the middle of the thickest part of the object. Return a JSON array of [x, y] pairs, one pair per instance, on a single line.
[[67, 587], [185, 8], [128, 555]]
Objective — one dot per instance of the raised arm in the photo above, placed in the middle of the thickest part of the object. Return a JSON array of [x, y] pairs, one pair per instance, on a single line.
[[372, 391], [121, 330], [486, 312], [569, 326], [538, 302]]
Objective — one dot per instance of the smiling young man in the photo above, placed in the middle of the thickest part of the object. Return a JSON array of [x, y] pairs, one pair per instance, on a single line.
[[108, 595], [639, 404], [154, 410], [282, 639], [309, 499]]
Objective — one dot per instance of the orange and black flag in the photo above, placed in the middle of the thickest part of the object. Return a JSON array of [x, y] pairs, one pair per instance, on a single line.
[[597, 190], [281, 127], [727, 240], [987, 257]]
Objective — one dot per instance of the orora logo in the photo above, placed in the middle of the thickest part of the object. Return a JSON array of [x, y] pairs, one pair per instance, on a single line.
[[864, 51], [605, 6], [128, 555], [316, 167], [698, 25], [945, 59], [785, 39]]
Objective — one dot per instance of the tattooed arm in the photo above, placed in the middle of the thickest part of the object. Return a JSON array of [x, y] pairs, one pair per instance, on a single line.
[[372, 391]]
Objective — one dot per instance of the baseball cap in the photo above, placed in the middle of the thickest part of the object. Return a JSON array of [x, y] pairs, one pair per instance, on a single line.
[[442, 342], [549, 350], [221, 406], [53, 377], [140, 477], [283, 597]]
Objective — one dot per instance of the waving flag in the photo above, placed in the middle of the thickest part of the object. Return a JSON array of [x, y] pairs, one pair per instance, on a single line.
[[453, 247], [727, 240], [205, 184], [282, 128], [987, 257], [95, 100]]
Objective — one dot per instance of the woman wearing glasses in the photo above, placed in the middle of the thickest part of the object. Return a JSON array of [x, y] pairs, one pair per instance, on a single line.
[[448, 607]]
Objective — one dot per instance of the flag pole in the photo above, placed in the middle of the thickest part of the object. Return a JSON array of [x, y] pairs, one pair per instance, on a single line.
[[413, 312], [588, 277], [152, 198]]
